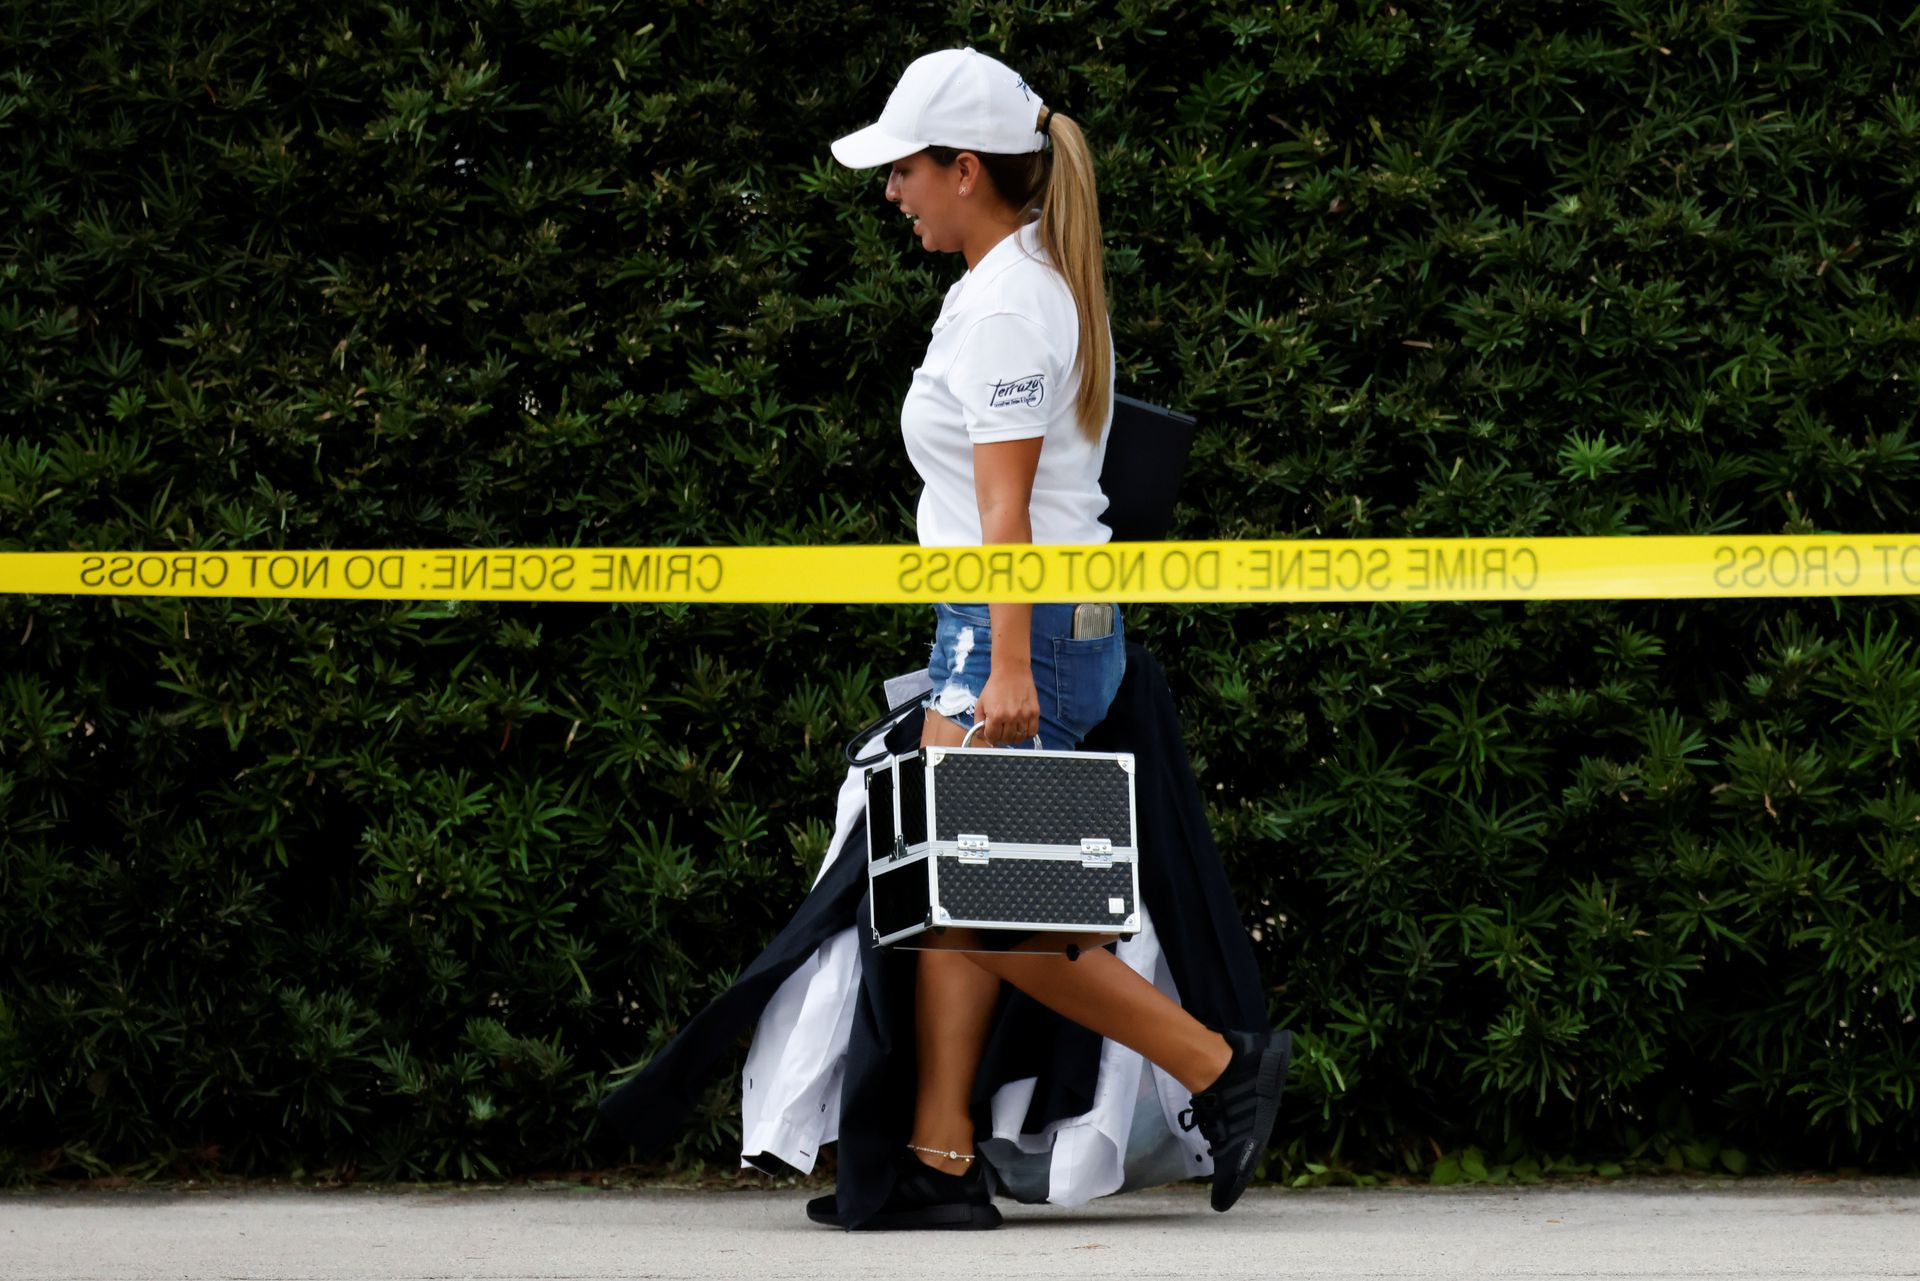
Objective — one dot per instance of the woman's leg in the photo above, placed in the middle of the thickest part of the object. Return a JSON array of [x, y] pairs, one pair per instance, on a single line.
[[952, 1008], [1104, 994]]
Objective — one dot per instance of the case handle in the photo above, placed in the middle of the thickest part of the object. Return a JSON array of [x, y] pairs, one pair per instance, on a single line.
[[975, 727], [885, 721]]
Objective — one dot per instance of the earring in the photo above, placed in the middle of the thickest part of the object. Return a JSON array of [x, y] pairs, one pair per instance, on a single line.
[[963, 191]]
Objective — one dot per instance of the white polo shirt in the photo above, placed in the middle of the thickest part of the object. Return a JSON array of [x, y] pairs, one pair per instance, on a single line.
[[1000, 367]]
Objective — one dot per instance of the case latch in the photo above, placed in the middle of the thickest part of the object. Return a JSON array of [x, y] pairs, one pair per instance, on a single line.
[[1096, 851], [974, 847]]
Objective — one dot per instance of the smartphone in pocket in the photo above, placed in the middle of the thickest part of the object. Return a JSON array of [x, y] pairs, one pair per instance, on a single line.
[[1091, 621]]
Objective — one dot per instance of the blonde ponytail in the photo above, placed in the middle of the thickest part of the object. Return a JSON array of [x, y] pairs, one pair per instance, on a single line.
[[1070, 233], [1061, 187]]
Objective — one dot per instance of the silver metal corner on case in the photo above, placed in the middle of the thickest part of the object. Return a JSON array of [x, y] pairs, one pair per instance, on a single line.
[[941, 916], [935, 756], [1126, 763]]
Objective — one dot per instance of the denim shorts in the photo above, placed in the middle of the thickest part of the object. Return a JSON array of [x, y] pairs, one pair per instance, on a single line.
[[1075, 679]]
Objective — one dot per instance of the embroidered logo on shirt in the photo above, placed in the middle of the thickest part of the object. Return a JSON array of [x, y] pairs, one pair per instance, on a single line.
[[1029, 389]]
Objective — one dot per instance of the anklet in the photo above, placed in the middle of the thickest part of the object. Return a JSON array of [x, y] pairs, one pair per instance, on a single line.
[[948, 1153]]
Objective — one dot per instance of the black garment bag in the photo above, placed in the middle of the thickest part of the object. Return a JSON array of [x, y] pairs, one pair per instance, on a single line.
[[1146, 452]]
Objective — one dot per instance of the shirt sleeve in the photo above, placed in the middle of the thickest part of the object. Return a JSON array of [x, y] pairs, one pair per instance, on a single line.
[[1005, 376]]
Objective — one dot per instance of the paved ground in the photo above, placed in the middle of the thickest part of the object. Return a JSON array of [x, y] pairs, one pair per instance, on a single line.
[[1750, 1229]]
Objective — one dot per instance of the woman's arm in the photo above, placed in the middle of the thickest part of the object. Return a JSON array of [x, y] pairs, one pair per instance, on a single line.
[[1009, 707]]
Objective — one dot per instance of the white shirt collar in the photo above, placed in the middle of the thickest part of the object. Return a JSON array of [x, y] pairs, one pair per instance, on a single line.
[[1024, 242]]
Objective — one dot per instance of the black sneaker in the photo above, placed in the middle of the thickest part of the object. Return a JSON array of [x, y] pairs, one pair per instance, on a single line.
[[924, 1198], [1237, 1111]]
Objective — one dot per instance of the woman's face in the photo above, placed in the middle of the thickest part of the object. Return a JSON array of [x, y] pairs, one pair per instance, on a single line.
[[930, 196]]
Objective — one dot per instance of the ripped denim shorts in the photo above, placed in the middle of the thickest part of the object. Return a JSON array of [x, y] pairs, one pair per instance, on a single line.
[[1075, 679]]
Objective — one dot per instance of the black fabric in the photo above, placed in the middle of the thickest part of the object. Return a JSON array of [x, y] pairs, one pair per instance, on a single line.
[[1146, 456], [1186, 892], [652, 1107]]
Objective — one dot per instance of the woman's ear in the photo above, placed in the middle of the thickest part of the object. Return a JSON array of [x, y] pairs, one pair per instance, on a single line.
[[967, 169]]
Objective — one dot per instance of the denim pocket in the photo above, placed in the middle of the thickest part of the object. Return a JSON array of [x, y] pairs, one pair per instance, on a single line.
[[1086, 677]]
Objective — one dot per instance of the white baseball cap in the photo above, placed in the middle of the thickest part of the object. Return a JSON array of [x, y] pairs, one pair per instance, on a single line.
[[957, 98]]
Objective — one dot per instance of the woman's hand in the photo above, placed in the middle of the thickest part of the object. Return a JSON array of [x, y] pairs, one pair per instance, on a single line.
[[1008, 710]]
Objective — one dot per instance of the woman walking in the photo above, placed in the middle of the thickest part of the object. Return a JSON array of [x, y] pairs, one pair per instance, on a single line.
[[1006, 422]]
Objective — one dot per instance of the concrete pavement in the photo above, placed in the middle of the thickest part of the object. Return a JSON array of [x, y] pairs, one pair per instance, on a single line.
[[1756, 1228]]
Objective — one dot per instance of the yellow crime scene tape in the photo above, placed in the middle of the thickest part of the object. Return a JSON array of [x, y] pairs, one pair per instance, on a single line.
[[1697, 566]]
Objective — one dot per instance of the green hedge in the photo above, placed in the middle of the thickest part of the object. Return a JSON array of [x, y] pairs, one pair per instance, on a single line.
[[395, 889]]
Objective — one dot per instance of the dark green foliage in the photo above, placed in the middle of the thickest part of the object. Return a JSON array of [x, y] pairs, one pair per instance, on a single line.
[[397, 889]]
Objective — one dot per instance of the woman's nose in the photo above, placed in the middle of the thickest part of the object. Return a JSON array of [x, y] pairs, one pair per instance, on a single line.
[[893, 187]]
